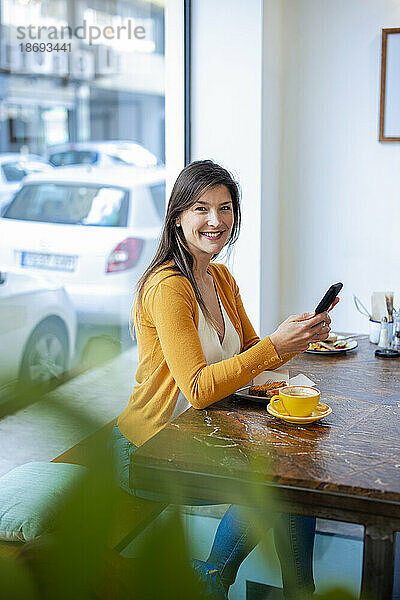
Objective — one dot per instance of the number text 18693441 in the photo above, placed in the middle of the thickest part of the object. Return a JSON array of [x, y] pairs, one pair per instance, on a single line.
[[44, 47]]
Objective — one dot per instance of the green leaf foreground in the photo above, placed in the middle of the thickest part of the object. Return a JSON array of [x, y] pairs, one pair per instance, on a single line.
[[74, 561]]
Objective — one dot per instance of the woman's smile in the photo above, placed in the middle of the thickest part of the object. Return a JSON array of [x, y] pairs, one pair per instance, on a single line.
[[216, 235]]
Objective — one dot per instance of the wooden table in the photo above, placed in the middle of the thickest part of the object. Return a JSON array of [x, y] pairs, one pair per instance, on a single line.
[[346, 467]]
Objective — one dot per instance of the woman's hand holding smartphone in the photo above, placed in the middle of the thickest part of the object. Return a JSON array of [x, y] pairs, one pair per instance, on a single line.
[[298, 331]]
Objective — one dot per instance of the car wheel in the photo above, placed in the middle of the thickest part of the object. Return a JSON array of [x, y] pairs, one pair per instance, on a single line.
[[46, 353]]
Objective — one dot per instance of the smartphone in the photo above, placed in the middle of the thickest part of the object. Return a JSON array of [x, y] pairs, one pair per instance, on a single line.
[[328, 298]]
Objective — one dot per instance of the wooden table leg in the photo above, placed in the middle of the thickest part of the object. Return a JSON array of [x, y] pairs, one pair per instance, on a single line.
[[378, 562]]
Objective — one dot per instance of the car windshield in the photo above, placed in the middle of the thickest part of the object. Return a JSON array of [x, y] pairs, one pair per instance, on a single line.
[[70, 204], [73, 157], [16, 170]]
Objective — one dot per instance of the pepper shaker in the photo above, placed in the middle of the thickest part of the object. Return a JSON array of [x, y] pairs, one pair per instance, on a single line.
[[396, 330], [384, 341]]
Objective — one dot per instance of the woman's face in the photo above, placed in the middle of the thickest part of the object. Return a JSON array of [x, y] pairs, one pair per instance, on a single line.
[[207, 224]]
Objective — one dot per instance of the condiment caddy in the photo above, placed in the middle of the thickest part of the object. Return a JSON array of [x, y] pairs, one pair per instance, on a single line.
[[384, 324]]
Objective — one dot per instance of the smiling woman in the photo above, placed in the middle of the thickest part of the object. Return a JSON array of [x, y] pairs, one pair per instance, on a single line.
[[197, 346]]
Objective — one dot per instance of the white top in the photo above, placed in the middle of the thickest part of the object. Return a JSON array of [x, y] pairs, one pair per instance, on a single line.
[[212, 348]]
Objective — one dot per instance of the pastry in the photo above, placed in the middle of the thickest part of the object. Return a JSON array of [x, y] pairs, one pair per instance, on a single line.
[[267, 389]]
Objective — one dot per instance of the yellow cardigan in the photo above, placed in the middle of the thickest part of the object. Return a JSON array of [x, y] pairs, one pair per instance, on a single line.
[[171, 357]]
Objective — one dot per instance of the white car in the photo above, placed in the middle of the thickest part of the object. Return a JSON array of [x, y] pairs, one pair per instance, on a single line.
[[37, 329], [94, 232], [102, 154], [13, 168]]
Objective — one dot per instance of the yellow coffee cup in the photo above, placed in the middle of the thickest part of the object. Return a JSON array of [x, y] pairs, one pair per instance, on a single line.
[[298, 400]]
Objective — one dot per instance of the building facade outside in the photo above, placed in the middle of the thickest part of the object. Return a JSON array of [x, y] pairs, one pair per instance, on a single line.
[[79, 71]]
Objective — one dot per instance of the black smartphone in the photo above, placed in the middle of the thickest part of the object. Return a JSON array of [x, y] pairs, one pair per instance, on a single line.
[[328, 298]]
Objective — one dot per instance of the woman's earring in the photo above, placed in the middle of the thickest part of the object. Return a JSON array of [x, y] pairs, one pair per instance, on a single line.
[[178, 224]]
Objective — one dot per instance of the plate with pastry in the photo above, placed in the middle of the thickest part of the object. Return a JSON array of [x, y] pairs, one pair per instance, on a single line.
[[264, 386]]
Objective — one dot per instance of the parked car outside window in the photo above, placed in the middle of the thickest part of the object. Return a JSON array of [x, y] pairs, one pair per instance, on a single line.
[[92, 231], [37, 329]]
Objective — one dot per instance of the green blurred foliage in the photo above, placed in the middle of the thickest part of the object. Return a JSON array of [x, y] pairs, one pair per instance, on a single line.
[[337, 593], [76, 561]]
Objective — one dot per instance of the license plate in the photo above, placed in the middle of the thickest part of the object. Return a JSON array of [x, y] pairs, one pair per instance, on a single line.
[[53, 262]]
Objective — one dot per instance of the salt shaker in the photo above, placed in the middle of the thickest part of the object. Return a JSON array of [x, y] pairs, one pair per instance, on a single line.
[[384, 341]]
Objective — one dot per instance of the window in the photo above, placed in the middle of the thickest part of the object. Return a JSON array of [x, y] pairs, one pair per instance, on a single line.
[[99, 103]]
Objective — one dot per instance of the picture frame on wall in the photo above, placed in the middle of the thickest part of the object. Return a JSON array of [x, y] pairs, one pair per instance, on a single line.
[[389, 114]]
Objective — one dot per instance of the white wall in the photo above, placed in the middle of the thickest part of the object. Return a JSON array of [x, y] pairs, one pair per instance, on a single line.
[[286, 94], [340, 187], [226, 117]]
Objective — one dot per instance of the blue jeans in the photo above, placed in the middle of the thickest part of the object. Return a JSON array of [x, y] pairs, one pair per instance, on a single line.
[[238, 533]]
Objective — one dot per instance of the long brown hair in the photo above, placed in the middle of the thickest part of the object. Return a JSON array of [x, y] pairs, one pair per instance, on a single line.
[[193, 181]]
